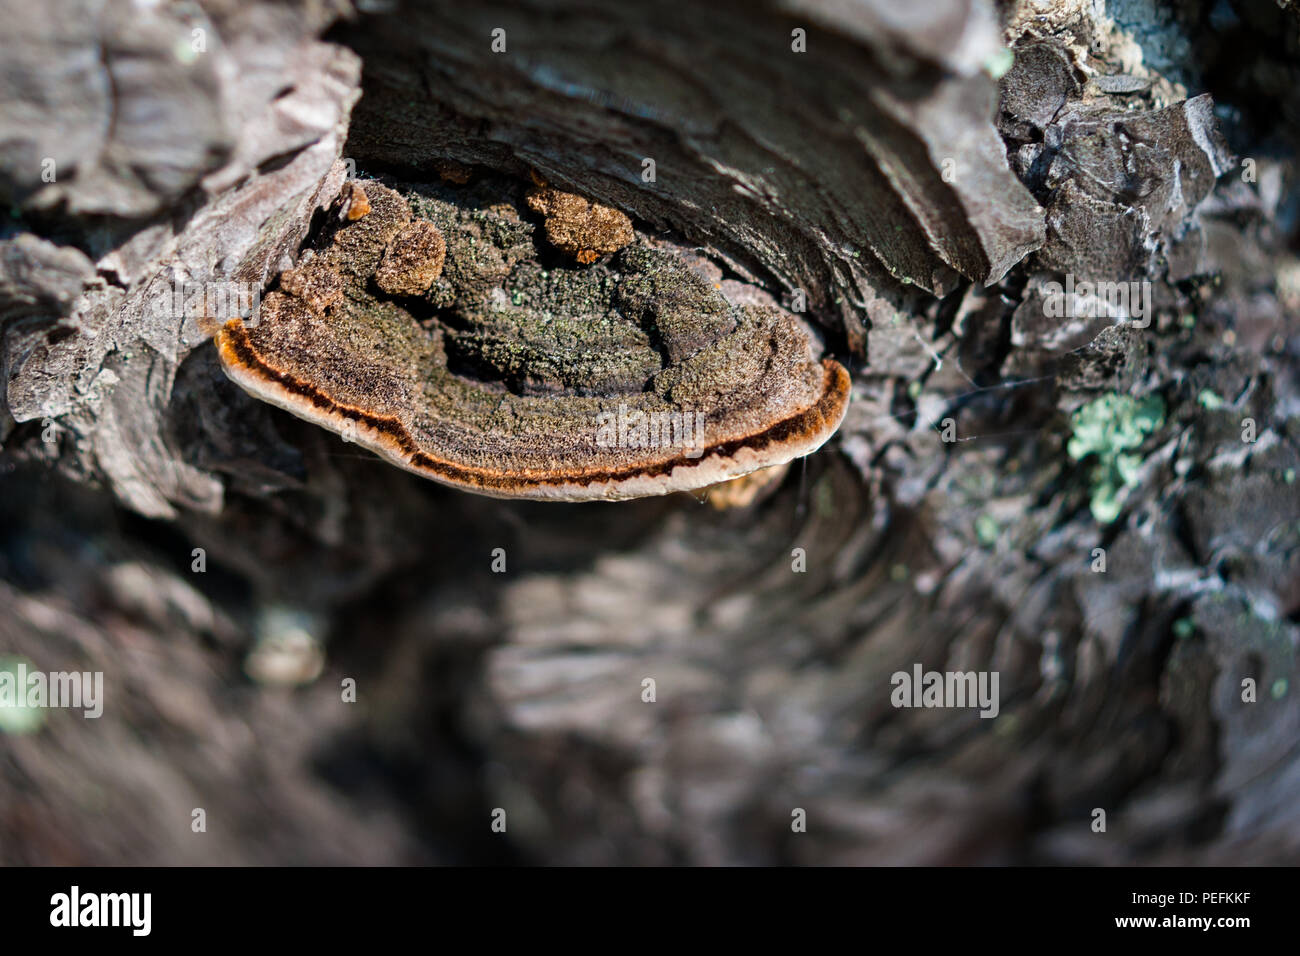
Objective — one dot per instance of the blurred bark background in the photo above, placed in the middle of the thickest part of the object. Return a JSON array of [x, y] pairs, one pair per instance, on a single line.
[[921, 189]]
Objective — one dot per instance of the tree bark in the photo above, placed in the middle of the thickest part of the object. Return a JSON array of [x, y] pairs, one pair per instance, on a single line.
[[982, 508]]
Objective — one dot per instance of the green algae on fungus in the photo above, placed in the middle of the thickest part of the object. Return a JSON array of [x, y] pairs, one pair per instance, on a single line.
[[452, 352]]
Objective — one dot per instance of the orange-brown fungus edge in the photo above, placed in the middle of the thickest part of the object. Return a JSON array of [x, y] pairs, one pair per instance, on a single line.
[[236, 349]]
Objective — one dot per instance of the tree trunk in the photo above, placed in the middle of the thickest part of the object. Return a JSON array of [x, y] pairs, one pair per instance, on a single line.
[[1095, 504]]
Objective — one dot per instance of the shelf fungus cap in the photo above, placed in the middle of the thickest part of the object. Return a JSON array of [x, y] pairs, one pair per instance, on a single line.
[[631, 378]]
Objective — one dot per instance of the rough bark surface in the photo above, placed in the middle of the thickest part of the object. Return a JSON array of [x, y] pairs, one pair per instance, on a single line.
[[991, 448]]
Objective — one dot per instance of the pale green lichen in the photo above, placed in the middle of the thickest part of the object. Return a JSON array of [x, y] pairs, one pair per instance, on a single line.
[[1110, 427], [987, 530]]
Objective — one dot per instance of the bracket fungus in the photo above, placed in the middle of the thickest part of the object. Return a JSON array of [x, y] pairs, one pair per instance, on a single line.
[[428, 332]]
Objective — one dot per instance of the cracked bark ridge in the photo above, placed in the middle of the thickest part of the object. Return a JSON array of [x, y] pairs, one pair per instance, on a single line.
[[250, 141], [1123, 190]]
